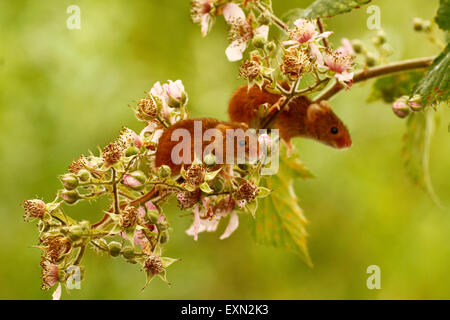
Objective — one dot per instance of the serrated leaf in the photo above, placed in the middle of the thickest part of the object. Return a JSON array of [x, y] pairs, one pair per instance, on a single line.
[[391, 87], [416, 150], [280, 221], [330, 8], [443, 15], [434, 86]]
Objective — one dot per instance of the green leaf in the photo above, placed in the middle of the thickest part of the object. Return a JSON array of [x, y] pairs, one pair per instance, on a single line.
[[330, 8], [434, 86], [280, 221], [416, 150], [391, 87], [443, 15]]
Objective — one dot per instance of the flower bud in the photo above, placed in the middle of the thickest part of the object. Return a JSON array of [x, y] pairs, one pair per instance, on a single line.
[[114, 248], [69, 181], [164, 171], [153, 216], [264, 19], [84, 175], [270, 46], [131, 151], [426, 26], [70, 196], [128, 252], [209, 159], [175, 93], [34, 208], [415, 103], [417, 24], [75, 232], [259, 41], [370, 60], [400, 107], [358, 46], [379, 39], [135, 180], [164, 237]]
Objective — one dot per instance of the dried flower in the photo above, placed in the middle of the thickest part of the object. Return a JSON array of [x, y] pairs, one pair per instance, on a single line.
[[295, 62], [249, 69], [153, 265], [113, 152], [55, 247], [49, 275], [195, 175], [247, 191], [78, 164], [188, 199], [147, 109], [34, 208], [128, 217]]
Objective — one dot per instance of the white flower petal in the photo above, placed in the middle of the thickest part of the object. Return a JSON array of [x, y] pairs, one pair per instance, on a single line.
[[316, 53], [233, 224], [57, 294], [344, 76], [232, 11], [235, 50], [204, 23], [262, 31]]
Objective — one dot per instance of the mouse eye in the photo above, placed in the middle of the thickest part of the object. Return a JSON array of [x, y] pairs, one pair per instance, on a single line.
[[334, 130], [242, 143]]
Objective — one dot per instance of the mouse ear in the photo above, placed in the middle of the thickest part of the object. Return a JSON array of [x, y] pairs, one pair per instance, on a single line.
[[324, 104], [314, 111]]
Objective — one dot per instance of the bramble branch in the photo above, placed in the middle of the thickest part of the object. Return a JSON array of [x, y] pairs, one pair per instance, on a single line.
[[378, 71]]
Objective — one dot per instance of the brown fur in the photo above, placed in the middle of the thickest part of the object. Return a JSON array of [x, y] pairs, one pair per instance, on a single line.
[[164, 152]]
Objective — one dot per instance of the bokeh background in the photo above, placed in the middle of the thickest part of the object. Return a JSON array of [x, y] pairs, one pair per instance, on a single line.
[[63, 92]]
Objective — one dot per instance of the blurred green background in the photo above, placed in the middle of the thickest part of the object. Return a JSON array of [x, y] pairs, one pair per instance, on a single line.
[[64, 91]]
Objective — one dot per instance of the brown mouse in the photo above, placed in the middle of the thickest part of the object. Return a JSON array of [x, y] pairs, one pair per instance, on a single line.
[[300, 118]]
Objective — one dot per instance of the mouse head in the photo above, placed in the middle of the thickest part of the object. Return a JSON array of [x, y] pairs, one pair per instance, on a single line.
[[326, 127]]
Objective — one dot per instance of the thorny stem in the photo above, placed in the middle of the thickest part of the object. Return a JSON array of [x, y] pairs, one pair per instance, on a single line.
[[376, 72], [321, 29], [116, 197]]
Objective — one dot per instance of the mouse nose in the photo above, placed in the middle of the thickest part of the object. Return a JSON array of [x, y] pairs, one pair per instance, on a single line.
[[344, 143]]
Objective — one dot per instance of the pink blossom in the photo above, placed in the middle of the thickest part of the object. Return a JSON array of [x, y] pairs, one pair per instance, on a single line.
[[303, 32], [131, 181], [241, 31], [340, 61], [202, 13], [150, 206], [175, 91]]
